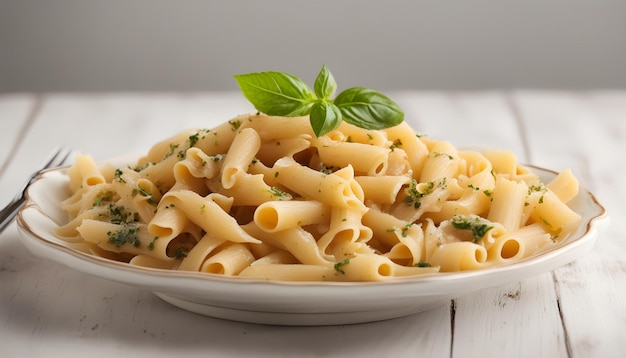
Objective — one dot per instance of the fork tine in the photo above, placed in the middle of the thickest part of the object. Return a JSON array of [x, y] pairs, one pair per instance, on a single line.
[[50, 160], [57, 158], [64, 158]]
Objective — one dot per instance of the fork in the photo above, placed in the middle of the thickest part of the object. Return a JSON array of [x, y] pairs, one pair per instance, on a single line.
[[57, 157]]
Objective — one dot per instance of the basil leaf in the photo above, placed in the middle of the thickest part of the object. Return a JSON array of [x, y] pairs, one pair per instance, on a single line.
[[325, 85], [282, 94], [324, 117], [368, 109], [276, 93]]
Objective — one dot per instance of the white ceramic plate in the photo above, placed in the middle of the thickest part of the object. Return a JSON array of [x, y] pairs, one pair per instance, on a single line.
[[288, 303]]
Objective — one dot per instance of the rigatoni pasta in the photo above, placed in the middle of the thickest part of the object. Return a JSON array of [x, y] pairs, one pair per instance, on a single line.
[[261, 197]]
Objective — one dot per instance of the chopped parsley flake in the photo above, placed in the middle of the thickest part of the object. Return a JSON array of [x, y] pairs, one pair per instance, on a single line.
[[546, 222], [324, 169], [151, 244], [180, 253], [438, 154], [144, 192], [281, 195], [478, 227], [405, 229], [194, 138], [235, 124], [173, 148], [539, 188], [118, 175], [126, 235], [338, 266], [102, 198], [396, 143], [404, 232], [119, 215], [414, 195], [143, 166]]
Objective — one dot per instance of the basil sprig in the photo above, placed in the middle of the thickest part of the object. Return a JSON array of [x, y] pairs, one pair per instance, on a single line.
[[282, 94]]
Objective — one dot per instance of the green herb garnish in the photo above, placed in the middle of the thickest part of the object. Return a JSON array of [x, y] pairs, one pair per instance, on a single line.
[[118, 175], [151, 244], [180, 253], [119, 215], [414, 195], [279, 194], [126, 235], [282, 94], [478, 227], [338, 266]]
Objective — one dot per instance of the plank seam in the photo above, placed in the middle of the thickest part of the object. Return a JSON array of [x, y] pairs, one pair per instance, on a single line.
[[568, 345], [452, 321]]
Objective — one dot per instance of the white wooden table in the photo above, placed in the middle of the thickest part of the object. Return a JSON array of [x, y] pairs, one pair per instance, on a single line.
[[576, 311]]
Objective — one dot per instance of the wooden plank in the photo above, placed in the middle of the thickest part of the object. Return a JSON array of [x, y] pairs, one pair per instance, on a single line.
[[47, 308], [15, 116], [587, 132], [502, 321]]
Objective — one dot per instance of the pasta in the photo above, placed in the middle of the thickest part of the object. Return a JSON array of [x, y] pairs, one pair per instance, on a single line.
[[261, 197]]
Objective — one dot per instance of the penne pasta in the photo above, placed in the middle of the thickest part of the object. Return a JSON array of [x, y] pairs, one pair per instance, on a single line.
[[262, 197]]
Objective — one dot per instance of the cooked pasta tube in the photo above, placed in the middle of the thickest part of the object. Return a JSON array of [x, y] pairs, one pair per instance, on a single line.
[[507, 205], [564, 186], [195, 258], [84, 173], [241, 153], [345, 227], [206, 212], [364, 158], [382, 189], [459, 256], [297, 241], [548, 210], [405, 138], [274, 216], [331, 189], [229, 262]]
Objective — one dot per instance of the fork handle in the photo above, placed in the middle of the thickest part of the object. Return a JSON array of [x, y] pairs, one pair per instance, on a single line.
[[8, 214]]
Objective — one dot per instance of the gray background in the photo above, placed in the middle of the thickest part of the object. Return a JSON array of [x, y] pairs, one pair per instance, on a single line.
[[193, 45]]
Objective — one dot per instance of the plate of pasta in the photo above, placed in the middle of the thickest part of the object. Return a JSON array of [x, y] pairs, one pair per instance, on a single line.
[[260, 220]]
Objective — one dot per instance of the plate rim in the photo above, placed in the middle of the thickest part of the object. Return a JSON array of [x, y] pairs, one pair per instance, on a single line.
[[593, 226]]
